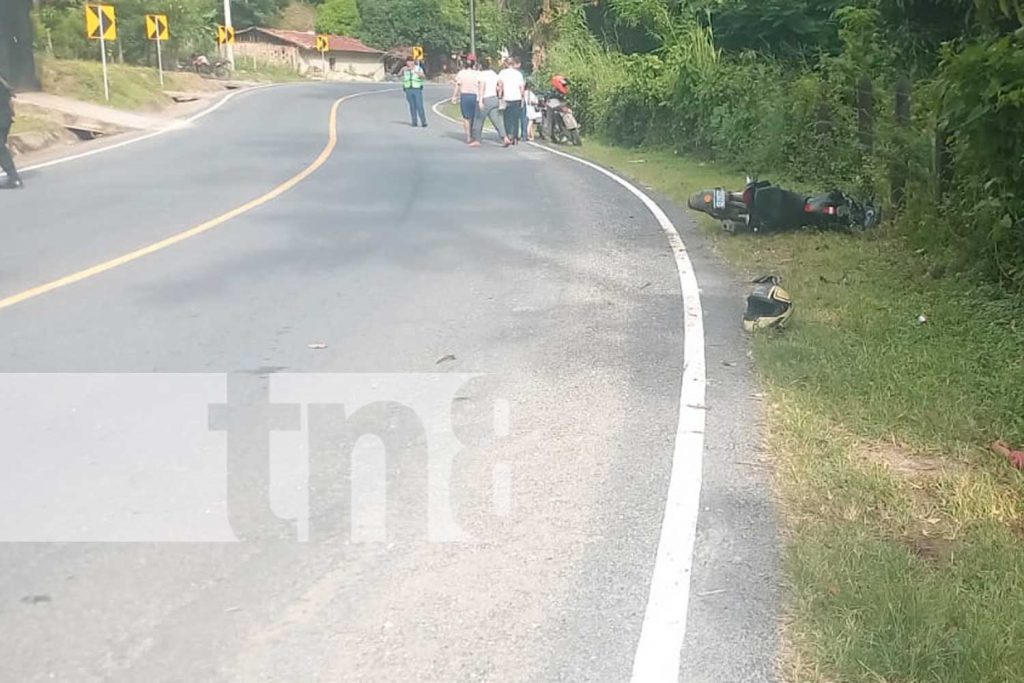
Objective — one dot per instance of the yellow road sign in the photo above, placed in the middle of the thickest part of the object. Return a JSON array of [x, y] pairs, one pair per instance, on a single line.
[[226, 35], [157, 27], [417, 53], [100, 22], [323, 43]]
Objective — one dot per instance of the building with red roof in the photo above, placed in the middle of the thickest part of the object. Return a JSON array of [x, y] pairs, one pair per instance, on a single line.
[[347, 58]]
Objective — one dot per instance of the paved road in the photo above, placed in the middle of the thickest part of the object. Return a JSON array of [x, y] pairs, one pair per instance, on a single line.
[[507, 324]]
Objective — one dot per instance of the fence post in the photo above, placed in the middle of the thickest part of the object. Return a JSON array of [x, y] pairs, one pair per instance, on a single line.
[[866, 114], [823, 119], [943, 163], [898, 179]]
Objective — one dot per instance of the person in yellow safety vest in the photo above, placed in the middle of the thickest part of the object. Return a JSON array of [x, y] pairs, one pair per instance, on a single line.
[[412, 83]]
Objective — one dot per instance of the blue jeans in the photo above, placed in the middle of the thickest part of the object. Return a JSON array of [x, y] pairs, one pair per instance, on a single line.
[[415, 98]]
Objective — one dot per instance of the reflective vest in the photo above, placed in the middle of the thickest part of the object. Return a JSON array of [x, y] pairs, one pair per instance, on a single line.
[[412, 78]]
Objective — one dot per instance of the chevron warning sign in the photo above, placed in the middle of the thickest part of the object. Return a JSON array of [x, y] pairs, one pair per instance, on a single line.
[[100, 22], [323, 43], [226, 35], [157, 27]]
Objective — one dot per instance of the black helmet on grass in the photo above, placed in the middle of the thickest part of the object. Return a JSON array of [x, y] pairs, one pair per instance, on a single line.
[[769, 305]]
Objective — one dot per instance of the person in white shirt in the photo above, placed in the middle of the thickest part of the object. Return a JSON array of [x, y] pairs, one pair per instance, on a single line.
[[513, 85], [488, 99]]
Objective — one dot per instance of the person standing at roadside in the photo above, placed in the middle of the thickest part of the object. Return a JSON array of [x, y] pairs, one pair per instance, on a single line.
[[513, 85], [412, 83], [466, 93], [487, 96], [6, 120], [531, 110]]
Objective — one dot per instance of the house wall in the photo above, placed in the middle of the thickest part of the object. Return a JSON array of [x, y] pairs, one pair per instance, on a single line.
[[347, 65], [281, 55]]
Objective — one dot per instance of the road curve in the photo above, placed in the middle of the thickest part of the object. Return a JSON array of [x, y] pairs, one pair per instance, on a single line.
[[505, 325]]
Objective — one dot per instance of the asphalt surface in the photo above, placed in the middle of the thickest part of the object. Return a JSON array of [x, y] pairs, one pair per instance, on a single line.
[[504, 323]]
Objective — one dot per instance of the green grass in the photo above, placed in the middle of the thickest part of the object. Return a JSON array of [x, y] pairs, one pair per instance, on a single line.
[[904, 549], [138, 88], [131, 87], [28, 123], [262, 71]]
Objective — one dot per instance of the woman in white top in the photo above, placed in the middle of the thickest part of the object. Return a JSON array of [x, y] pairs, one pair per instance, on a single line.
[[488, 98]]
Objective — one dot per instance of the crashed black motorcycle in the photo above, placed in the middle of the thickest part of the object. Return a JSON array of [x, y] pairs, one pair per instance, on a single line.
[[763, 207]]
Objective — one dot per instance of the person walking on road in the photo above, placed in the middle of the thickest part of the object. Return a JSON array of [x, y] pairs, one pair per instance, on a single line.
[[465, 93], [487, 94], [6, 120], [412, 83], [513, 85]]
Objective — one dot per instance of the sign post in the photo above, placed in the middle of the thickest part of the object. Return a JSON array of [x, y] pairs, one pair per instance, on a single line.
[[158, 29], [229, 26], [101, 24], [323, 44]]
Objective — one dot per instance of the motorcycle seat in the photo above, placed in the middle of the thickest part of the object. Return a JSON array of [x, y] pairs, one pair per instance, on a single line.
[[774, 206]]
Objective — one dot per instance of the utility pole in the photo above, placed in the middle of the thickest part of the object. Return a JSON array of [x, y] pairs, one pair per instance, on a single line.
[[229, 49], [472, 27]]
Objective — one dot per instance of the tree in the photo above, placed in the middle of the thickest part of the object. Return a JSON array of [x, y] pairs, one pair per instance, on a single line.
[[16, 59], [255, 12], [434, 24], [340, 17]]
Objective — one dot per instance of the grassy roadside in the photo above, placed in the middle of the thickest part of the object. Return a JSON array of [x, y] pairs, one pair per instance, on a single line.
[[265, 72], [137, 88], [903, 532], [28, 123], [131, 87]]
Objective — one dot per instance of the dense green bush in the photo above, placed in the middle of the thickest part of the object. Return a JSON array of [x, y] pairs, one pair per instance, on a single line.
[[766, 112], [983, 108]]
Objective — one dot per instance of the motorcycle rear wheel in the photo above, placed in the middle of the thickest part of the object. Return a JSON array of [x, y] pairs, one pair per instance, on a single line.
[[547, 129], [574, 137]]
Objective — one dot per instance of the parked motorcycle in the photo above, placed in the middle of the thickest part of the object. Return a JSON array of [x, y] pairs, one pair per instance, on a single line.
[[200, 64], [763, 207], [558, 123]]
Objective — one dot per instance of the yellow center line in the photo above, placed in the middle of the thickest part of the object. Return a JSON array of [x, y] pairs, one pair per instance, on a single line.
[[332, 141]]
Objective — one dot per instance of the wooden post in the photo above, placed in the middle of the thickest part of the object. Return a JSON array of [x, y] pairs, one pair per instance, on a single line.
[[823, 119], [898, 178], [943, 163], [866, 115]]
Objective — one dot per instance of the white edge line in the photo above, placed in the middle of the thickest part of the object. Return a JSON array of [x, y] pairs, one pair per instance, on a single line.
[[659, 649], [171, 126]]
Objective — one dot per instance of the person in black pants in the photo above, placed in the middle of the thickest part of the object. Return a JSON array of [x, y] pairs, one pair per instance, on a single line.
[[6, 119]]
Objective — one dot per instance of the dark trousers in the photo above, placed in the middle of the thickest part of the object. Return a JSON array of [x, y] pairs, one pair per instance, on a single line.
[[6, 162], [415, 98], [514, 119]]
